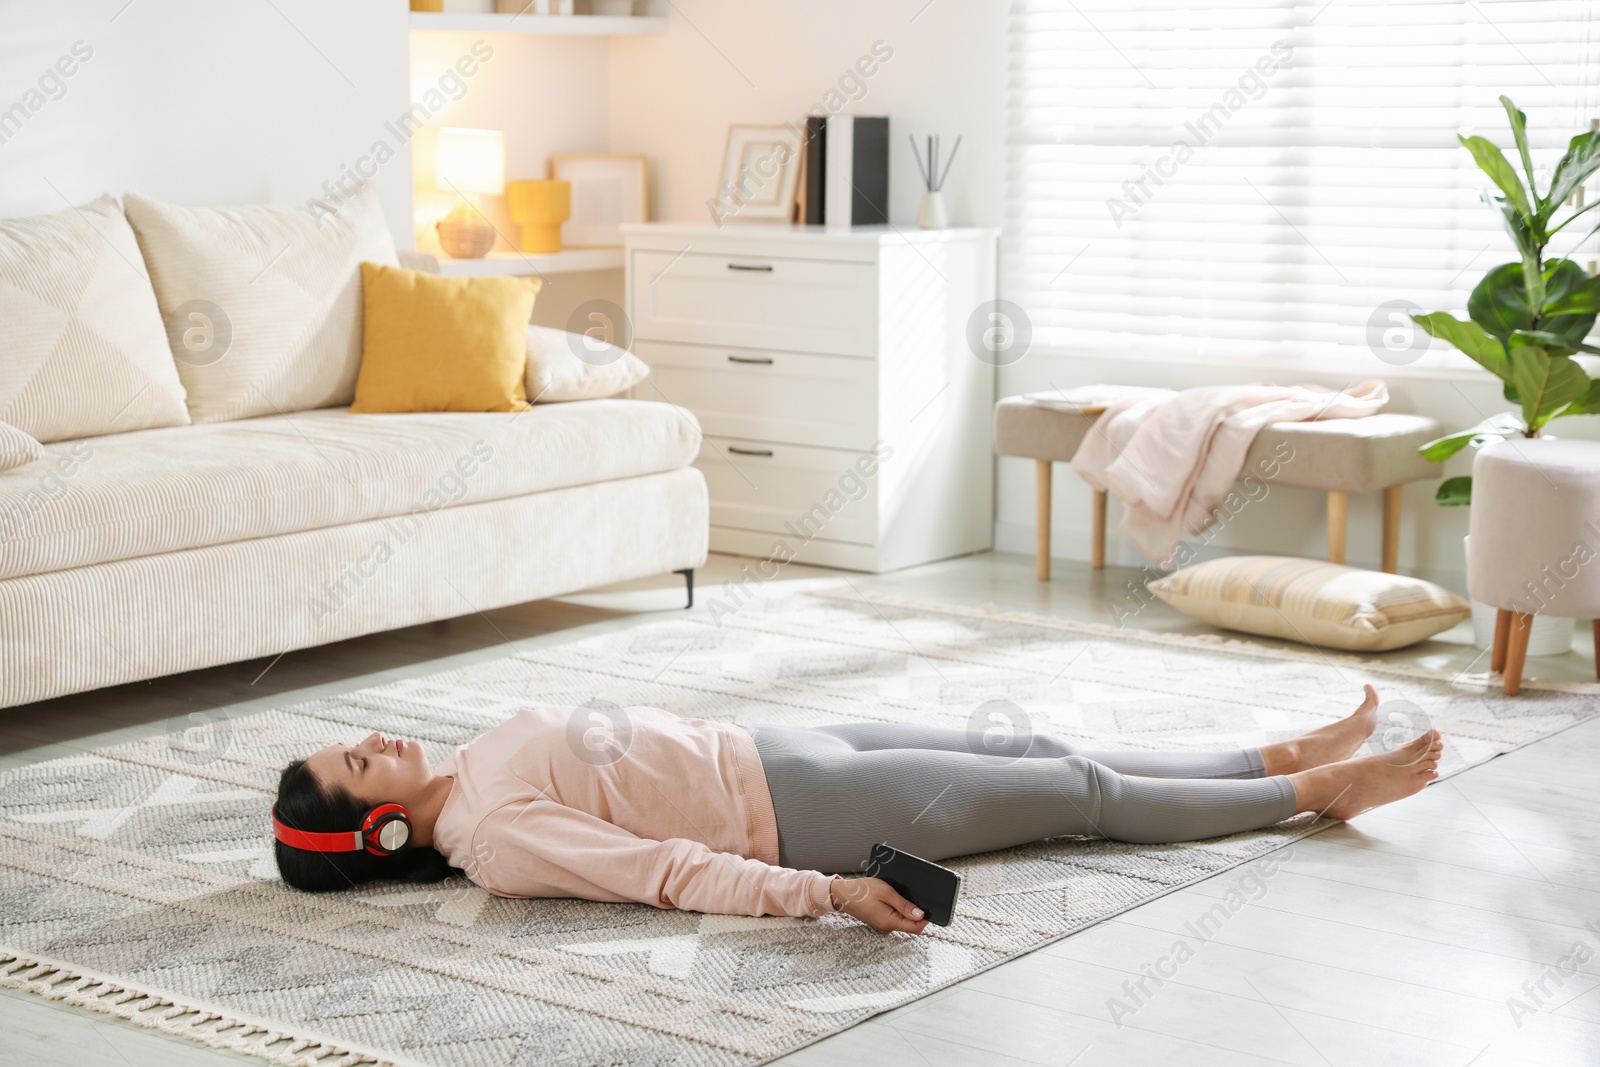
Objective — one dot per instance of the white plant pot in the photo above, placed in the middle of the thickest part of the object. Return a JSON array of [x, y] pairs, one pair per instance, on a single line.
[[932, 215], [1550, 636]]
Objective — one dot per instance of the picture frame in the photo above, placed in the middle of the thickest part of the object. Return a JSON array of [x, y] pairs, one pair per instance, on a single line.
[[760, 175], [608, 190]]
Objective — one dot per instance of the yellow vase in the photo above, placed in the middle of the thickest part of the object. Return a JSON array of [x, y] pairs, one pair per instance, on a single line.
[[540, 207]]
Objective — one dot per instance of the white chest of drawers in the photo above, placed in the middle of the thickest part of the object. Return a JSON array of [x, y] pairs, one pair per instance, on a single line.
[[846, 418]]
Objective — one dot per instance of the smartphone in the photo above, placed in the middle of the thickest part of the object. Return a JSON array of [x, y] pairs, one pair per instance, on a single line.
[[932, 888]]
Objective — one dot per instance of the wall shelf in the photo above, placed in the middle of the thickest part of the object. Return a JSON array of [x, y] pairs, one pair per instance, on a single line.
[[566, 261], [559, 25]]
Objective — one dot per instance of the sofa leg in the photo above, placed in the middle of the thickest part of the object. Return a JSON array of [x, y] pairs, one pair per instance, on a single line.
[[1517, 651], [1502, 635], [1338, 524], [1097, 549], [688, 585], [1393, 498], [1041, 519]]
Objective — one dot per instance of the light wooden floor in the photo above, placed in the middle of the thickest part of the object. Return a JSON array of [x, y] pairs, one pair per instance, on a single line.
[[1397, 939]]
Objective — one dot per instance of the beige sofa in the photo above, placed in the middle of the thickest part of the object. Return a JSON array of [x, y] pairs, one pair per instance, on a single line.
[[125, 556]]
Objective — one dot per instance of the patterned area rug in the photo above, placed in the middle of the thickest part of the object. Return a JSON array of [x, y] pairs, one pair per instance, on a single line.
[[138, 881]]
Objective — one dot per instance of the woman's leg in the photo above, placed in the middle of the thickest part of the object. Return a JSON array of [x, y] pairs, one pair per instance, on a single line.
[[878, 736], [1331, 743], [834, 802]]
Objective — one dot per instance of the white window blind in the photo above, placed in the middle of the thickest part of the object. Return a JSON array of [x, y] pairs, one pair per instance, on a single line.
[[1256, 178]]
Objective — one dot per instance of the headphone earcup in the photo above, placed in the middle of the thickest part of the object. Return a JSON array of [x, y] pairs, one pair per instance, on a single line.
[[386, 829]]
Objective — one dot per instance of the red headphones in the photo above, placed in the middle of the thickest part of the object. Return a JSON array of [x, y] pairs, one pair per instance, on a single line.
[[385, 831]]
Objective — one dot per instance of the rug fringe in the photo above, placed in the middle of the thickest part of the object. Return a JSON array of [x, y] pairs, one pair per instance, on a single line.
[[1209, 641], [205, 1025]]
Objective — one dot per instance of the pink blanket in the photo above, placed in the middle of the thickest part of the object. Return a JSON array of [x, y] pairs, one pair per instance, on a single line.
[[1172, 457]]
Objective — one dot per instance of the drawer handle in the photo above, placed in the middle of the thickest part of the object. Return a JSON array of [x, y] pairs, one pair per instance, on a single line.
[[749, 451], [765, 268], [763, 360]]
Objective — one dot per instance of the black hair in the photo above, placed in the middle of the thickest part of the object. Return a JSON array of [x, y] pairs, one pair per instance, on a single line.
[[306, 804]]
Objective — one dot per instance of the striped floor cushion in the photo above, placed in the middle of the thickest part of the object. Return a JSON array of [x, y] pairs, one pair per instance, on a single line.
[[1312, 602]]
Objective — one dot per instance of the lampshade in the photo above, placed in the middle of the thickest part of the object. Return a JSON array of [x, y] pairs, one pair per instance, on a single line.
[[471, 161]]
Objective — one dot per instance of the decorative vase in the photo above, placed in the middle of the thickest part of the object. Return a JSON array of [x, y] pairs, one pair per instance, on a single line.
[[1550, 636], [540, 207], [932, 215], [614, 8], [463, 234]]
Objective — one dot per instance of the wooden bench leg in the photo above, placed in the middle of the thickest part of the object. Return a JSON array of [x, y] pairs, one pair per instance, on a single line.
[[1097, 551], [1338, 524], [1517, 651], [1041, 503], [1393, 498], [1502, 634]]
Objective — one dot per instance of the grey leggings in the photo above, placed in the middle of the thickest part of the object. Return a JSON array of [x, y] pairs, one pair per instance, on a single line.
[[838, 790]]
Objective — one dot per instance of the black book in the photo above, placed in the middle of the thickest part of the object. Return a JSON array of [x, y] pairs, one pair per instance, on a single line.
[[856, 170], [815, 153]]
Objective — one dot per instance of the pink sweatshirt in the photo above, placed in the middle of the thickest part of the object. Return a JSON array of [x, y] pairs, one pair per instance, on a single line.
[[681, 819]]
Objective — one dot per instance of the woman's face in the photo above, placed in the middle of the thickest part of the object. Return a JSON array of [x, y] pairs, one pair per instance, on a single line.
[[378, 770]]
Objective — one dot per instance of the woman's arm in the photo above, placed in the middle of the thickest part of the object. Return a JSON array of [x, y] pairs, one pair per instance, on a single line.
[[543, 849]]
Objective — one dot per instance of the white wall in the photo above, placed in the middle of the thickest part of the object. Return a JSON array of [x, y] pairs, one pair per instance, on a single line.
[[723, 62], [199, 102], [735, 61]]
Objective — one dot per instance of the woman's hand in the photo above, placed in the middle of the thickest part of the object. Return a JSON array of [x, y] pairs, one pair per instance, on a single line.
[[874, 902]]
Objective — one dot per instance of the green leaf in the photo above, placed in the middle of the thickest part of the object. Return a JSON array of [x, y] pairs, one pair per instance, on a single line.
[[1588, 404], [1545, 383], [1442, 449], [1554, 343], [1562, 278], [1519, 130], [1499, 303], [1582, 298], [1505, 424], [1493, 162], [1521, 231], [1470, 338], [1581, 160], [1453, 492]]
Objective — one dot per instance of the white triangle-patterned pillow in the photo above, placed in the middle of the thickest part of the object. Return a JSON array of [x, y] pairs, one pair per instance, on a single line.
[[17, 449], [262, 304], [82, 349]]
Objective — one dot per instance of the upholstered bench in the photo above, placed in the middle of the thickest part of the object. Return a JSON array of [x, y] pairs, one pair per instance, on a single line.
[[1338, 456]]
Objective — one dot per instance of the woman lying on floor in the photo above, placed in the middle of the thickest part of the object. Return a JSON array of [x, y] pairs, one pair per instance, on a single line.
[[756, 820]]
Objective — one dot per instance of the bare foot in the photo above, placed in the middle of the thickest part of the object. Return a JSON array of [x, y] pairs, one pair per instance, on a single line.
[[1344, 790], [1326, 744]]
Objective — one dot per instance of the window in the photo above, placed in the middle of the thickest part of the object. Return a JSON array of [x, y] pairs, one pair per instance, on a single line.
[[1263, 179]]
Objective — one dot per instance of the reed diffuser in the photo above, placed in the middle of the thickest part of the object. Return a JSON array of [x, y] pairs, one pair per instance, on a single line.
[[932, 215]]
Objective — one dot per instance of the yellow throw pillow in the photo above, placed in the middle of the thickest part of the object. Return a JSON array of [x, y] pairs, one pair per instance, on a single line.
[[1312, 602], [443, 344]]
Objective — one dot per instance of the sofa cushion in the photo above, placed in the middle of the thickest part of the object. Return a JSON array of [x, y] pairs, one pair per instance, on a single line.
[[566, 366], [82, 350], [154, 491], [17, 449], [262, 304], [433, 343]]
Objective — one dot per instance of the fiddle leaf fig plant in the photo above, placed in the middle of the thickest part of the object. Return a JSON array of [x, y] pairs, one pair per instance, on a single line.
[[1526, 320]]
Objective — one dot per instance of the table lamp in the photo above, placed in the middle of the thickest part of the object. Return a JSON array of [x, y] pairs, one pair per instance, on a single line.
[[540, 207], [468, 163]]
